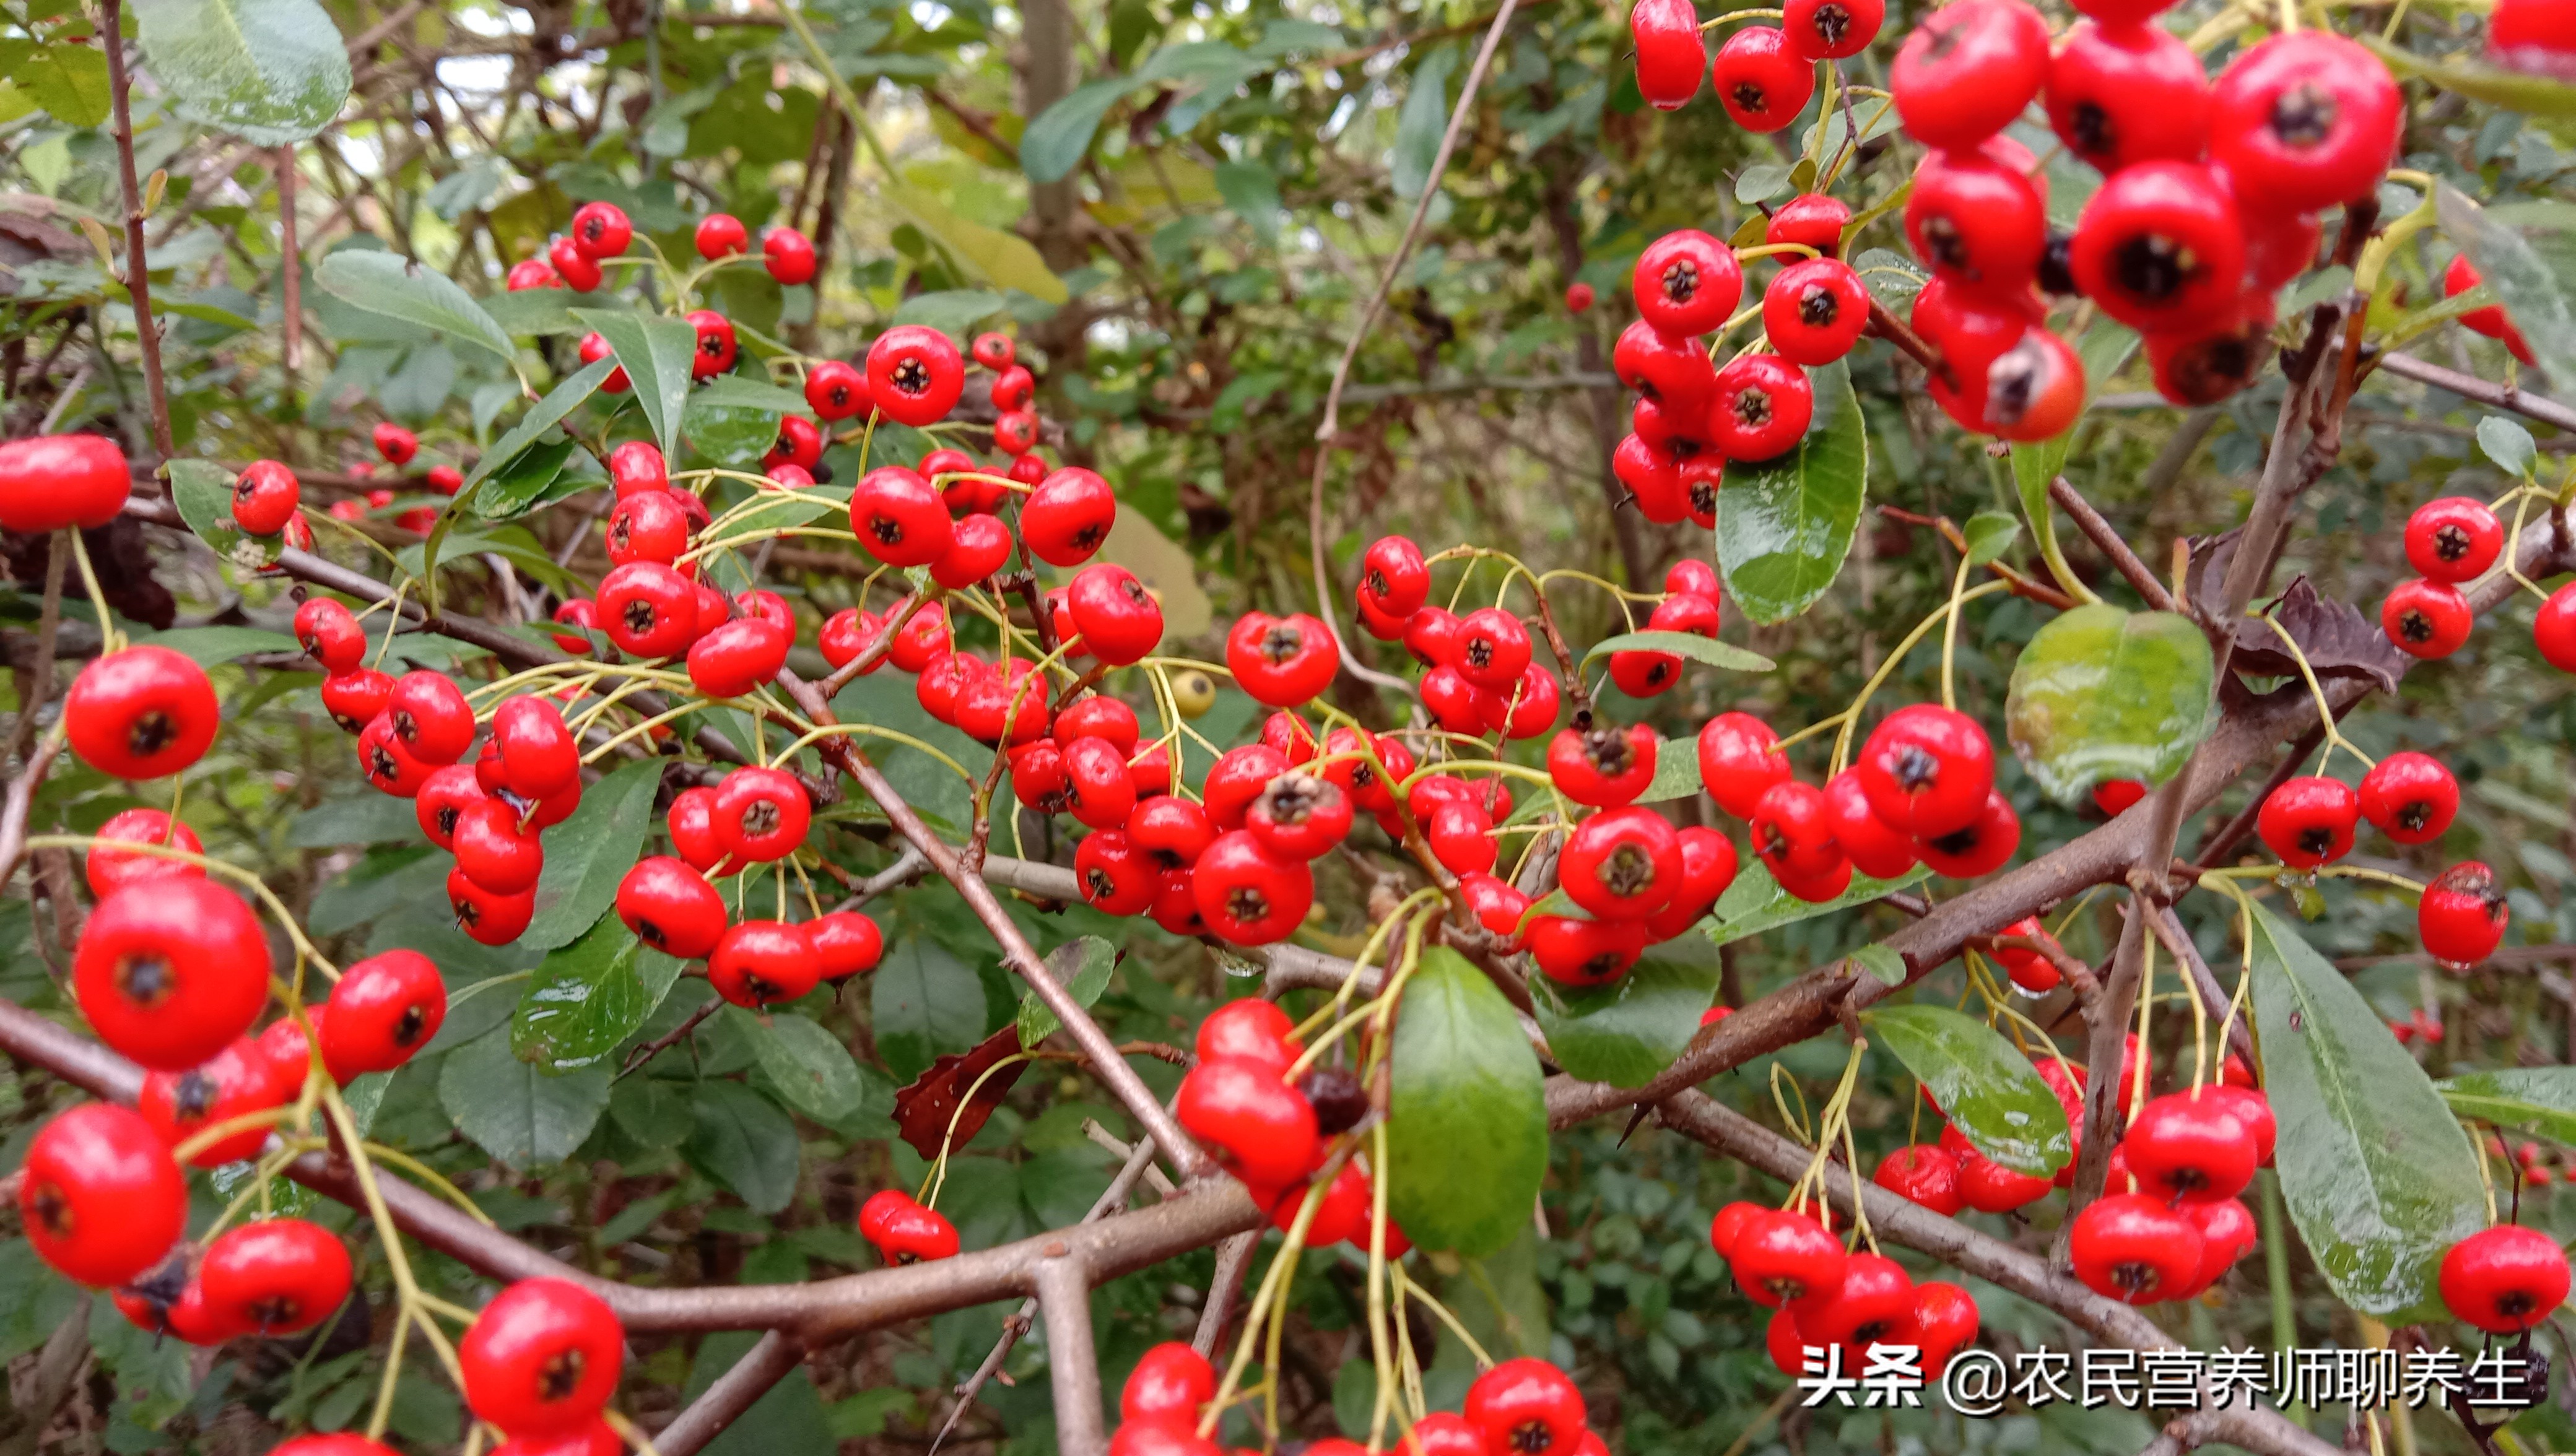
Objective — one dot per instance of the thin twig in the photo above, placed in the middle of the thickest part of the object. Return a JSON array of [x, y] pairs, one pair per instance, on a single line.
[[138, 267], [2110, 543]]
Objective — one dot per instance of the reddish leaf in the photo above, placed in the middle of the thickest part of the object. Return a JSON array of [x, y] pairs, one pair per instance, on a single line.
[[922, 1110], [2338, 640]]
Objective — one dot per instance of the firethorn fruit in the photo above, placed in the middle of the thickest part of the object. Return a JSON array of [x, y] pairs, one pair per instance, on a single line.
[[2160, 245], [1262, 1129], [2131, 1247], [494, 851], [1622, 864], [2504, 1279], [265, 495], [1493, 648], [594, 349], [1990, 1187], [52, 481], [1393, 578], [601, 229], [2454, 539], [1014, 387], [2410, 797], [1527, 1407], [914, 374], [1286, 661], [489, 917], [1923, 1173], [636, 467], [329, 633], [647, 609], [1873, 1301], [1708, 867], [384, 1009], [837, 391], [721, 235], [141, 713], [2463, 914], [1812, 218], [1687, 283], [2123, 94], [1670, 59], [1983, 846], [1249, 895], [2309, 821], [543, 1356], [101, 1199], [1120, 621], [2491, 320], [2304, 120], [577, 269], [110, 869], [761, 814], [2190, 1149], [903, 1231], [1875, 849], [1977, 221], [1604, 765], [1171, 829], [1967, 70], [277, 1277], [1115, 875], [170, 969], [1762, 407], [236, 1081], [1760, 80], [538, 754], [2427, 618], [1068, 516], [431, 717], [1575, 952], [1793, 835], [788, 255], [1832, 29], [525, 274], [2553, 629], [2031, 970], [1927, 770], [650, 526], [845, 943], [1779, 1258], [758, 962], [1815, 310], [717, 348], [1299, 816], [1169, 1385], [1097, 789]]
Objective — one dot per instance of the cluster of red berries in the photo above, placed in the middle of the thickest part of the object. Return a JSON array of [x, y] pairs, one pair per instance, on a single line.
[[1521, 1407], [903, 1231], [2309, 821], [2526, 1163], [1922, 790], [2451, 542], [1788, 1261], [601, 231], [1692, 417], [1763, 75], [1273, 1134]]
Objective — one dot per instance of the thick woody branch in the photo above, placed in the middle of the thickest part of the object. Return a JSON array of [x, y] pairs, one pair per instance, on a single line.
[[2469, 386], [1073, 1366], [761, 1367]]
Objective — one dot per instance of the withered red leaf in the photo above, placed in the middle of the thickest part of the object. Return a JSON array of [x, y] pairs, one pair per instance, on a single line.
[[922, 1110]]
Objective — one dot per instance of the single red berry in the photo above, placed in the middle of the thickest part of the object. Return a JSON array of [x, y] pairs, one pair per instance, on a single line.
[[1942, 1322], [1526, 1407], [2119, 95], [101, 1199], [1097, 789], [397, 444], [265, 495], [837, 391], [904, 1231], [788, 255], [2430, 618], [1007, 702], [978, 546], [601, 229], [1461, 837], [2132, 1248], [1762, 407], [800, 443], [1068, 516], [1967, 70], [2504, 1279], [1761, 82], [1923, 1173], [1116, 875], [1687, 282], [1977, 220], [1779, 1257], [1815, 219], [277, 1277], [1015, 432], [239, 1080], [1498, 907], [1990, 1187], [1170, 1384], [1982, 847], [845, 943], [717, 349], [544, 1355], [593, 349], [1300, 816], [1285, 661], [2304, 120], [1875, 849], [538, 754], [1493, 648], [636, 467], [1578, 296], [489, 917], [1708, 867], [384, 1009], [1793, 836], [494, 851], [2190, 1149], [2031, 970], [578, 612], [1585, 952], [1832, 29], [388, 766], [648, 609], [170, 969], [1871, 1303], [1431, 635], [758, 962], [1014, 388], [1814, 311], [2553, 629], [2454, 539], [651, 526], [1120, 621], [761, 814], [110, 869], [330, 634], [1262, 1129], [431, 717], [1393, 578], [915, 374], [899, 518], [2159, 245], [52, 481], [2309, 821], [1622, 864], [1247, 894], [2115, 796], [1927, 770], [2410, 797], [721, 235], [530, 273], [1670, 59], [2462, 916], [141, 713], [1739, 760], [1604, 765]]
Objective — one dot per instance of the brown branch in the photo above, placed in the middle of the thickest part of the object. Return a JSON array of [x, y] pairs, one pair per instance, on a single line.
[[290, 275], [1888, 326], [2469, 386], [2111, 544], [2214, 1000], [1073, 1360], [36, 686], [138, 267], [762, 1366], [669, 1039]]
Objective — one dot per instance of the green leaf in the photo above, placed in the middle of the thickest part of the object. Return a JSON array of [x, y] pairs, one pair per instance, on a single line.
[[1756, 903], [1983, 1083], [1761, 181], [203, 492], [584, 1000], [2520, 279], [365, 818], [2375, 1170], [538, 311], [1990, 534], [1420, 125], [1081, 966], [398, 288], [924, 1002], [206, 646], [951, 311], [741, 1139], [1881, 962], [1784, 525], [2103, 693], [511, 1110], [1683, 644], [1251, 192], [2520, 91], [656, 354], [512, 490], [1626, 1032], [2508, 444], [590, 851], [1054, 144], [2540, 1099], [1676, 772], [1466, 1112], [548, 412], [790, 1416], [1003, 259], [272, 72], [68, 80], [808, 1065], [734, 421]]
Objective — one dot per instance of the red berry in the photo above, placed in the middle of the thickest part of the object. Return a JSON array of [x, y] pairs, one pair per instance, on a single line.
[[1740, 758], [109, 869], [2123, 94], [2131, 1247], [737, 657], [1461, 837], [1760, 81], [2431, 619], [1832, 29], [1286, 661], [543, 1356], [1872, 1302], [53, 481], [1585, 952], [1814, 312], [647, 609], [1978, 221], [789, 256], [2114, 796], [1670, 58], [1526, 1407], [538, 754], [264, 498], [1068, 516], [389, 766], [384, 1009], [2463, 915], [2553, 629], [1431, 635], [2491, 320], [1763, 405], [330, 634], [1116, 875], [1497, 906], [649, 526], [1812, 218], [1923, 1173], [1578, 296], [2305, 120], [837, 391], [1622, 864], [1668, 369], [1927, 770], [1014, 387], [1967, 70], [845, 943], [2309, 821], [1531, 709], [1493, 648], [1875, 849], [170, 970], [636, 467], [717, 348], [593, 349], [577, 269], [1943, 1320], [1708, 867], [994, 351], [1779, 1258], [1687, 282], [1981, 848], [101, 1200], [141, 713], [1262, 1129], [1247, 894], [2453, 539], [1692, 577], [1250, 1028], [1604, 765], [488, 916], [2190, 1149], [525, 274], [1793, 836], [1300, 816], [1393, 578], [2031, 970], [601, 229], [275, 1277], [1990, 1187], [761, 961], [1097, 788], [1169, 1384], [234, 1082], [1015, 432], [761, 814], [904, 1231], [2504, 1279], [923, 637], [431, 717], [1118, 618], [494, 851], [2410, 797], [2160, 245], [915, 374], [721, 235], [1171, 829]]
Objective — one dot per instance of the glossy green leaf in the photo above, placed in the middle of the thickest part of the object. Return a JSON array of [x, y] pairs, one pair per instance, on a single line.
[[1684, 644], [1988, 1089], [805, 1062], [2508, 444], [2375, 1170], [1082, 966], [590, 851], [548, 412], [1055, 142], [656, 354], [2536, 1099], [584, 1000], [1626, 1032], [511, 1110], [1756, 903], [951, 311], [397, 287], [734, 420], [512, 490], [2513, 90], [743, 1141], [272, 72], [1676, 773], [2530, 290], [2102, 693], [1882, 962], [203, 492], [1784, 525], [924, 1002], [1989, 534], [206, 646], [1466, 1115]]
